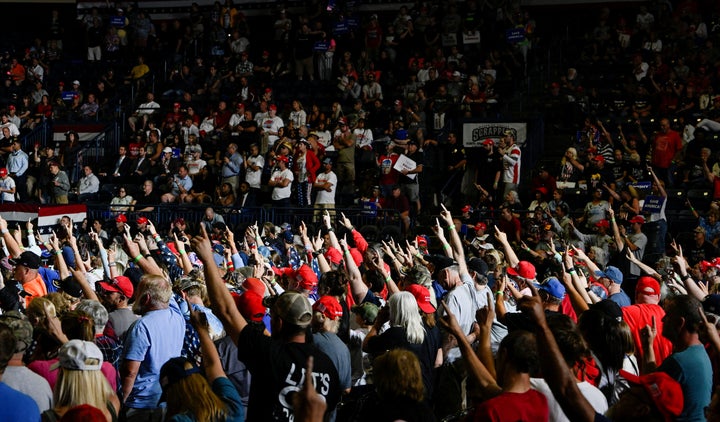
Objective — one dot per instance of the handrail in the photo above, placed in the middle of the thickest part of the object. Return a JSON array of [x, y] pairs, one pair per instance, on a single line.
[[39, 135], [90, 151]]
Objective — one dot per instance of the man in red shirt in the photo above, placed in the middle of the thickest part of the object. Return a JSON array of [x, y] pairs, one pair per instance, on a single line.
[[666, 146], [641, 314]]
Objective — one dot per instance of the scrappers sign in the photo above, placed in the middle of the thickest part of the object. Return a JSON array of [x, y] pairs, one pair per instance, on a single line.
[[475, 133]]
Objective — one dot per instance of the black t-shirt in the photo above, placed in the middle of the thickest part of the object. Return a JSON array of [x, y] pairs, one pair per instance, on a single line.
[[394, 338], [152, 199], [419, 161], [278, 371]]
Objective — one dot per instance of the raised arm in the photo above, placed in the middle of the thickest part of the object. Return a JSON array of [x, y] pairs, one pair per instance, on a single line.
[[475, 367], [510, 255], [455, 242], [222, 302], [210, 357]]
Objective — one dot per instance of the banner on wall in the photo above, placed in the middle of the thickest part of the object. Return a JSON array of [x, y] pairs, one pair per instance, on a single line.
[[475, 133]]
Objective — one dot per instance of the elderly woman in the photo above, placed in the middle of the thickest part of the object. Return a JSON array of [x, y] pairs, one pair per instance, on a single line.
[[570, 168]]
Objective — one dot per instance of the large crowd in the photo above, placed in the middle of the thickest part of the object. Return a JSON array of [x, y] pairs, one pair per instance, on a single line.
[[558, 293]]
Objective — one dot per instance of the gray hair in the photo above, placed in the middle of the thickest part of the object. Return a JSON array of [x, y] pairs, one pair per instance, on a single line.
[[97, 311]]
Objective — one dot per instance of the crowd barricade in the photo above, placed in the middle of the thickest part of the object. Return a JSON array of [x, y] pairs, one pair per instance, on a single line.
[[380, 223]]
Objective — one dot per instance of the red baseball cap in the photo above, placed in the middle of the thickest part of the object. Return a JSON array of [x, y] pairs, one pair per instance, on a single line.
[[333, 255], [637, 219], [142, 220], [120, 284], [273, 107], [250, 306], [252, 284], [3, 172], [603, 223], [121, 218], [480, 226], [422, 297], [421, 240], [647, 286], [306, 277], [524, 269], [488, 141], [328, 306], [282, 158], [665, 392], [599, 158]]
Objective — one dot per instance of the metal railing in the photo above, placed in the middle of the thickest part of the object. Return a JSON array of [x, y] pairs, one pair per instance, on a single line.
[[41, 135], [94, 151], [163, 215]]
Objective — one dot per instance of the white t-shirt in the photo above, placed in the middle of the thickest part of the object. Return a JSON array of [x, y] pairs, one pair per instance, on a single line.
[[592, 394], [280, 192], [253, 177], [194, 166], [7, 183], [323, 196], [363, 137], [272, 124]]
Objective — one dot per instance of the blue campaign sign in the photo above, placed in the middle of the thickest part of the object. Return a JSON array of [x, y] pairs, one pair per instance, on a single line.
[[117, 21], [642, 185], [514, 35], [653, 204], [341, 28], [67, 95], [369, 208], [353, 23], [321, 46]]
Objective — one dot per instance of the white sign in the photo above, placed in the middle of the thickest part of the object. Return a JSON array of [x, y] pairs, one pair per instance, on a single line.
[[475, 133], [405, 163]]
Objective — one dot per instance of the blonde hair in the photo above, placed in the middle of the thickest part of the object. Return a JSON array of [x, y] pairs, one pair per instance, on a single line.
[[37, 308], [193, 395], [74, 387], [572, 151], [397, 374]]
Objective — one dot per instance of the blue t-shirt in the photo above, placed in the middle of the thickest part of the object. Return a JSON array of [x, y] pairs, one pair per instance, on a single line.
[[228, 394], [693, 370], [16, 406], [621, 298], [152, 340]]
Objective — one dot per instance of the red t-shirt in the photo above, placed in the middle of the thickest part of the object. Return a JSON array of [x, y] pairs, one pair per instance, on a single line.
[[637, 317], [665, 147], [388, 175], [528, 406]]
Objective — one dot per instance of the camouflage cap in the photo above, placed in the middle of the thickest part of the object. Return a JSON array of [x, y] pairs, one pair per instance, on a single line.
[[21, 328]]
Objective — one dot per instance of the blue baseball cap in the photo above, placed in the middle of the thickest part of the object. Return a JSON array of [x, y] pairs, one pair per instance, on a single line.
[[553, 287], [613, 273]]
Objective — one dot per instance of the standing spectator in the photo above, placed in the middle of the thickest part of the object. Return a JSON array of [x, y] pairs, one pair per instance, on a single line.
[[16, 405], [7, 186], [306, 166], [398, 202], [327, 314], [59, 184], [26, 272], [115, 295], [232, 166], [511, 161], [17, 166], [455, 161], [18, 376], [326, 185], [410, 179], [155, 338], [254, 164], [666, 147], [270, 125], [281, 182], [689, 364]]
